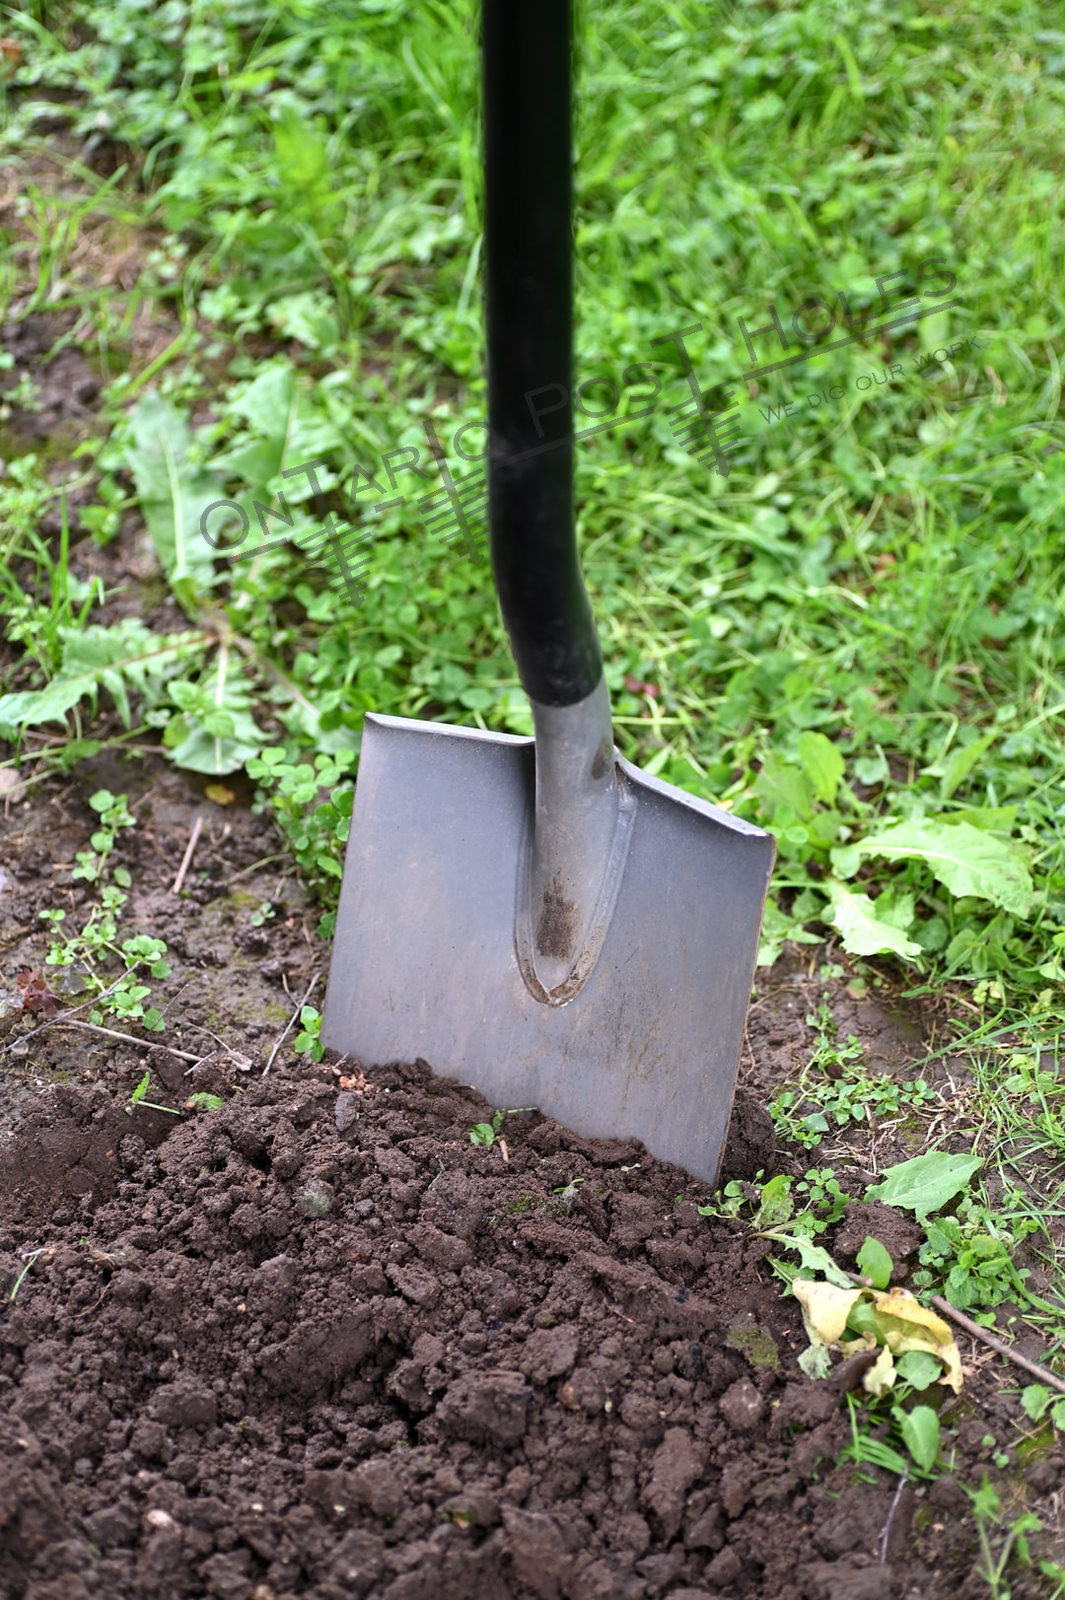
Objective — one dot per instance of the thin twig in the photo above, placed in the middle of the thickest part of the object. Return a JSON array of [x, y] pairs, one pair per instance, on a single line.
[[994, 1343], [291, 1020], [129, 1038], [885, 1532], [246, 872], [197, 829], [176, 997], [93, 1307], [240, 1061]]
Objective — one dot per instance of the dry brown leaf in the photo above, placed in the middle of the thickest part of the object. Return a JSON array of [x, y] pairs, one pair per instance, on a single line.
[[357, 1084]]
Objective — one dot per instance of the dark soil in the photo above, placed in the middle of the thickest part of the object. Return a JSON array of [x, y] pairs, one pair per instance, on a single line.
[[318, 1344]]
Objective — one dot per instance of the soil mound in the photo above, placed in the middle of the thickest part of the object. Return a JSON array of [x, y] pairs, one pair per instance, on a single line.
[[317, 1343]]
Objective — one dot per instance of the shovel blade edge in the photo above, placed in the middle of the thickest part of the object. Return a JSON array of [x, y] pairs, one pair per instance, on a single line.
[[424, 962]]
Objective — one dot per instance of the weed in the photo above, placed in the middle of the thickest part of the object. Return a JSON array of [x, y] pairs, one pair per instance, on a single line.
[[567, 1195], [114, 814], [138, 1098], [486, 1133], [17, 1285], [971, 1255], [308, 1041], [833, 1091], [315, 828], [1038, 1402], [1000, 1544], [774, 1202], [98, 942], [42, 599], [915, 1349], [916, 1429]]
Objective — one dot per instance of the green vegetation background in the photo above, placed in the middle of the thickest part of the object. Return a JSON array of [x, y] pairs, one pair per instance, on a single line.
[[854, 638]]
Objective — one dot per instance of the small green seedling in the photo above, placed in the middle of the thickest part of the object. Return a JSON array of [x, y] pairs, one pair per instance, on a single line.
[[114, 814], [201, 1101], [567, 1194], [987, 1510], [18, 1281], [98, 944], [308, 1042], [486, 1133], [808, 1206], [137, 1099], [1038, 1402]]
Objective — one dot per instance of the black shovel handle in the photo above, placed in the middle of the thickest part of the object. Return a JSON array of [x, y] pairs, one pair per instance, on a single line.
[[529, 275]]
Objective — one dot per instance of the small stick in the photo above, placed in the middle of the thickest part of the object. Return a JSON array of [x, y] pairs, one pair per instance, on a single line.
[[197, 829], [291, 1020], [885, 1532], [993, 1342], [241, 1062], [174, 998], [129, 1038], [246, 872]]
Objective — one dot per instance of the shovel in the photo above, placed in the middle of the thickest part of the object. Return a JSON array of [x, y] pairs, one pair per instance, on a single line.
[[537, 917]]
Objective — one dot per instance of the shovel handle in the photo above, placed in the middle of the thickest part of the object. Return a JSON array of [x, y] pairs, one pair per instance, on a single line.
[[529, 278]]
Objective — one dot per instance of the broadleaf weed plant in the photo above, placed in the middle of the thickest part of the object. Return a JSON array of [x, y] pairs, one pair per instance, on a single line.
[[834, 1092], [88, 954]]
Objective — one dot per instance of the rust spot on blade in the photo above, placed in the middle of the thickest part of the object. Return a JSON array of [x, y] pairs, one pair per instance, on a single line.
[[555, 931], [604, 760]]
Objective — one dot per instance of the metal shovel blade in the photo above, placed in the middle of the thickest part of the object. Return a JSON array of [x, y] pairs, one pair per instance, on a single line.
[[428, 962]]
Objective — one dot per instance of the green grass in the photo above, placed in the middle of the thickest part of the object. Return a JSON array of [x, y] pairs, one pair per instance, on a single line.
[[881, 571]]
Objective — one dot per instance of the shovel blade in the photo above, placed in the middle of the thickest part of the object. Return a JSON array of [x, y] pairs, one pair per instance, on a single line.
[[424, 961]]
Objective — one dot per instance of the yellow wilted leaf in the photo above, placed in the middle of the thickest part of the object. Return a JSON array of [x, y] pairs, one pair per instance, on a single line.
[[905, 1307], [825, 1308], [881, 1374], [905, 1324]]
